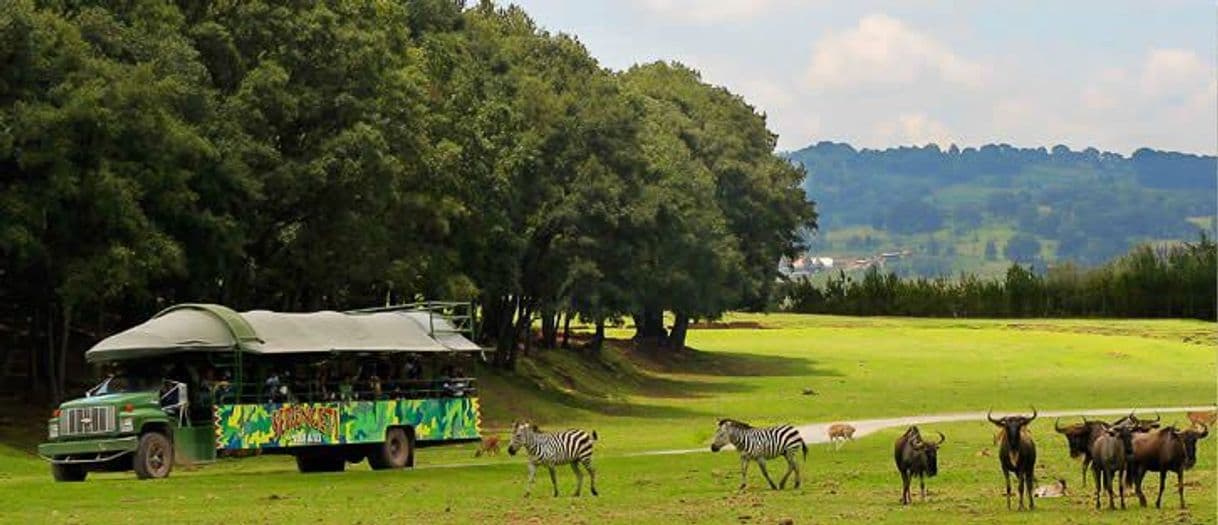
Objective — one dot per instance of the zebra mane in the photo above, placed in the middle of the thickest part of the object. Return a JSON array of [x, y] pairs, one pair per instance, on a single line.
[[735, 423]]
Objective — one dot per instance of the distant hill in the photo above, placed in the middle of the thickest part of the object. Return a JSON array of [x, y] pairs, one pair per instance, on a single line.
[[977, 209]]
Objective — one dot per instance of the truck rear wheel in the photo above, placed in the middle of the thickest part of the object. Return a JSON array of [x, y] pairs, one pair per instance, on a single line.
[[321, 461], [154, 456], [68, 472], [393, 453]]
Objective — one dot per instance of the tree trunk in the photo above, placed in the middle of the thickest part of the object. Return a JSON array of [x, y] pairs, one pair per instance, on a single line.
[[680, 327], [566, 331], [64, 339], [649, 328], [598, 339], [549, 328]]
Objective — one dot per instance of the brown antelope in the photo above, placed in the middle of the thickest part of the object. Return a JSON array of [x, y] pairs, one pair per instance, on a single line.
[[488, 446], [839, 433], [1205, 418]]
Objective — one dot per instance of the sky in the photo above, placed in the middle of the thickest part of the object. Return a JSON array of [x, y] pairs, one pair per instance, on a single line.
[[1116, 75]]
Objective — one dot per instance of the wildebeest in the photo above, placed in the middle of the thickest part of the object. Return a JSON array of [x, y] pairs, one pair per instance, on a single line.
[[916, 457], [1079, 437], [1017, 454], [760, 444], [839, 433], [1107, 454], [1163, 450]]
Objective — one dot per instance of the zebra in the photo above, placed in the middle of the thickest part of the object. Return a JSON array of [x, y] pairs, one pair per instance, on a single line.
[[572, 447], [760, 444]]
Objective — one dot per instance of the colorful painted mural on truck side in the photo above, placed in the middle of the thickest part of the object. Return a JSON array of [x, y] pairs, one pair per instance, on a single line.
[[276, 425]]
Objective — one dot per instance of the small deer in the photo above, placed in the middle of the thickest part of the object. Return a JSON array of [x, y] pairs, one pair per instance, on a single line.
[[1205, 418], [488, 446], [839, 433]]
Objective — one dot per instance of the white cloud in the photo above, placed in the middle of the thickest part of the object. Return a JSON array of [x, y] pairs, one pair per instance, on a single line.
[[710, 11], [882, 50], [915, 129], [1173, 72]]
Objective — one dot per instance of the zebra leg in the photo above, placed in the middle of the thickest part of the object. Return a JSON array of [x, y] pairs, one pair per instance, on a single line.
[[579, 478], [790, 469], [744, 470], [591, 475], [553, 479], [532, 475], [766, 473]]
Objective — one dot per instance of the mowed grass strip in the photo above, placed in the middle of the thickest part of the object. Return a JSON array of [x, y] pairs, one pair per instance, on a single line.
[[858, 367]]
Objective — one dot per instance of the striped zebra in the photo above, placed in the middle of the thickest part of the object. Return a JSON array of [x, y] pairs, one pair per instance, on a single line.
[[572, 447], [760, 444]]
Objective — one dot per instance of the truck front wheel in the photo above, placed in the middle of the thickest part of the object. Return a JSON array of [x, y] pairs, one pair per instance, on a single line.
[[154, 456], [68, 472]]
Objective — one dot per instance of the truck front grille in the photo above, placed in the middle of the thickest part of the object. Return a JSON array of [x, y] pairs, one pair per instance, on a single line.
[[87, 420]]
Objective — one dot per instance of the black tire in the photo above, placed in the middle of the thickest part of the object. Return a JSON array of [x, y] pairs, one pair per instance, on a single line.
[[67, 472], [321, 461], [393, 453], [153, 457]]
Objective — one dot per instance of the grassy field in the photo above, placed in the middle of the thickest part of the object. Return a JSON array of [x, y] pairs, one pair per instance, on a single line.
[[860, 368]]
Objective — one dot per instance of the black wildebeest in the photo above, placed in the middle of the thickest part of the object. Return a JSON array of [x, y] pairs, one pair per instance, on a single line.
[[1017, 454], [1080, 436], [916, 457], [1108, 459], [1163, 450]]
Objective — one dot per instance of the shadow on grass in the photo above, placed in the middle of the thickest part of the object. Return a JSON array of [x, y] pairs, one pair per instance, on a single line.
[[613, 381]]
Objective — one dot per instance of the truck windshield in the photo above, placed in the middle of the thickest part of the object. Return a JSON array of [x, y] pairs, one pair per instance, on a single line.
[[116, 383]]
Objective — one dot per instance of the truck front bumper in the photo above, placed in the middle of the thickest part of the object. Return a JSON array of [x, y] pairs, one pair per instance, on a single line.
[[88, 451]]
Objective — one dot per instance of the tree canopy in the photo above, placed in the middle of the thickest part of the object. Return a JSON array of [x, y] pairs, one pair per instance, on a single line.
[[336, 155]]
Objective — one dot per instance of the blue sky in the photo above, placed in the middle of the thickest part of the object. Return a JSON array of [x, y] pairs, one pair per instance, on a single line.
[[1111, 74]]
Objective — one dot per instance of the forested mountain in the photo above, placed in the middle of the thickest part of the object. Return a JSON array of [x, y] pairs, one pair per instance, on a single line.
[[976, 209]]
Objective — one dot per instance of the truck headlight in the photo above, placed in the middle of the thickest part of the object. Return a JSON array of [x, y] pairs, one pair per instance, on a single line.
[[53, 430], [126, 424]]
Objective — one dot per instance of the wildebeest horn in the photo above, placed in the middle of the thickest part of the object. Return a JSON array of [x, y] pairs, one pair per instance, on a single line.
[[1033, 415], [990, 416], [1158, 417], [1205, 431], [943, 438]]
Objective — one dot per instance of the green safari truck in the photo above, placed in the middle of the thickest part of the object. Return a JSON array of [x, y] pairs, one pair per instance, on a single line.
[[201, 381]]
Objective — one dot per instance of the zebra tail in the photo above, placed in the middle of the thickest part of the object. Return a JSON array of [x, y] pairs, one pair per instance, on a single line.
[[804, 446], [594, 437]]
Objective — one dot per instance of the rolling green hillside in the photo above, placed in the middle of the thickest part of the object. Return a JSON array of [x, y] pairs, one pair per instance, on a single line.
[[978, 209]]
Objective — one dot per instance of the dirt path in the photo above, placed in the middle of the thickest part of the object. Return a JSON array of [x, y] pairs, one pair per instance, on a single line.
[[816, 433]]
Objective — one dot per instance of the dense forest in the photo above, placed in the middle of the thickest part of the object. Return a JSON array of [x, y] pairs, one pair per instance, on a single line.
[[1176, 280], [332, 155], [979, 209]]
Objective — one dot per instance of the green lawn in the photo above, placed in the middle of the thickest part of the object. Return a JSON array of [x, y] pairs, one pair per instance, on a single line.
[[860, 368]]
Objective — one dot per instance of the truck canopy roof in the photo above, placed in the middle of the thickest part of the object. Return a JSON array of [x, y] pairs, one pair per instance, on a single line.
[[215, 328]]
